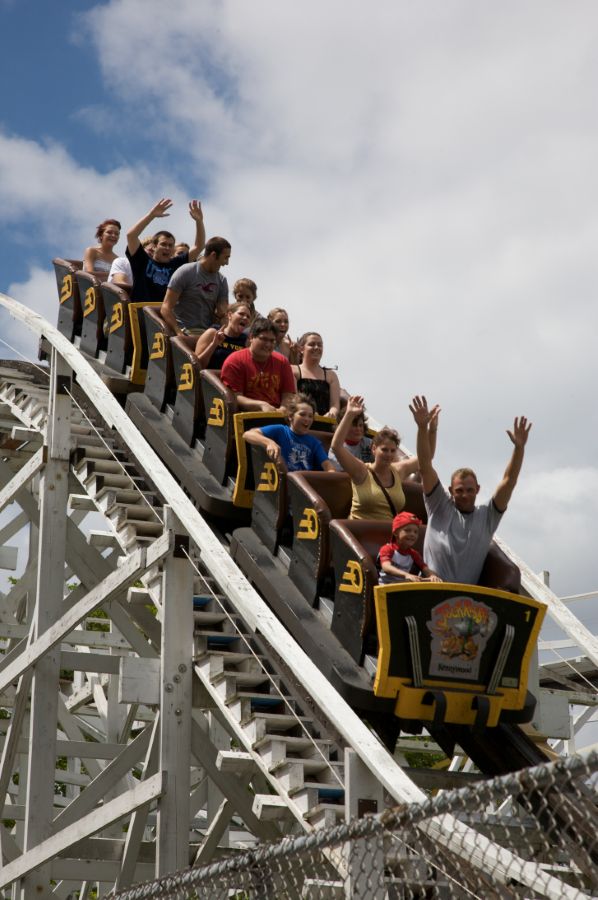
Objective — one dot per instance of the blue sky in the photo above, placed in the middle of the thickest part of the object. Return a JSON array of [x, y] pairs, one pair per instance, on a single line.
[[416, 181]]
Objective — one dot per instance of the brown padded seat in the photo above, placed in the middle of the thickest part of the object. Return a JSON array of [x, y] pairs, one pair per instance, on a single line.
[[328, 491], [414, 498], [316, 498], [189, 415], [92, 306], [117, 326], [220, 405], [354, 545], [70, 313], [329, 495], [159, 381]]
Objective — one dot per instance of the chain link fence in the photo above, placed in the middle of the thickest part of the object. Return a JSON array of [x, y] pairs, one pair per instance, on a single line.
[[528, 834]]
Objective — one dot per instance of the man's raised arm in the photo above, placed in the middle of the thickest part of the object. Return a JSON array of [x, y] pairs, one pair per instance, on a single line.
[[519, 435], [159, 211], [426, 443], [196, 213]]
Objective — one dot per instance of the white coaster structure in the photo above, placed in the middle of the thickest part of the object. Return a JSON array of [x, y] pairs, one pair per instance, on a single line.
[[153, 709]]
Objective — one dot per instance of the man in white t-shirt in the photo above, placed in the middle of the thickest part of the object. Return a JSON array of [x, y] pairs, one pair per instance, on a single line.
[[459, 533]]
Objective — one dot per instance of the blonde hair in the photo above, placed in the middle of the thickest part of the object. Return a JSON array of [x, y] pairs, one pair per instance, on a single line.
[[275, 311], [245, 283], [460, 474]]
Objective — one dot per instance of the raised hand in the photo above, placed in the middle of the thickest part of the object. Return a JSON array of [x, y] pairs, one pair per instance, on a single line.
[[195, 210], [420, 411], [521, 430], [355, 406], [160, 210]]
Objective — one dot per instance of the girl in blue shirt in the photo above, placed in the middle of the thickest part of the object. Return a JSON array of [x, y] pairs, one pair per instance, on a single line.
[[290, 446]]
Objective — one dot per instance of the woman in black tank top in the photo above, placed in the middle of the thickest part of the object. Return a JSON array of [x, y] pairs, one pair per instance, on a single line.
[[319, 383], [216, 344]]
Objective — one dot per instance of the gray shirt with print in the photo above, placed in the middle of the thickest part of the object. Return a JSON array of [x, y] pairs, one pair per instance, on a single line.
[[200, 292]]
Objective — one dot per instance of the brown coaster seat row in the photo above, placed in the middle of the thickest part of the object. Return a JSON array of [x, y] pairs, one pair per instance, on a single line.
[[104, 318], [316, 499], [174, 378], [354, 546], [81, 311], [224, 445]]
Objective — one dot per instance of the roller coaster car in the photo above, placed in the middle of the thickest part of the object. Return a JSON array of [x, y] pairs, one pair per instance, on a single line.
[[448, 655], [70, 314], [117, 326], [456, 653], [451, 654], [316, 498], [354, 546], [222, 436], [92, 303]]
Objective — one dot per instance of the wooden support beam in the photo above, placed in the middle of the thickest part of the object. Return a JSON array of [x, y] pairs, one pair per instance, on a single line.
[[108, 778], [176, 656], [11, 742], [23, 477], [206, 755], [144, 792], [136, 828], [211, 839], [114, 583], [558, 610], [41, 761]]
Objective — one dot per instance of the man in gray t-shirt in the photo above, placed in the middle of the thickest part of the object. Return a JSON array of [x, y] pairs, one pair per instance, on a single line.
[[197, 294], [459, 533]]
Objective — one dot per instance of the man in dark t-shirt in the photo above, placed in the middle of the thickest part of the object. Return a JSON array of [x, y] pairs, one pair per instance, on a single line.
[[152, 274]]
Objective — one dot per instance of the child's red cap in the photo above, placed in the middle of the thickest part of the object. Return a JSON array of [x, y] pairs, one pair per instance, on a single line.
[[405, 518]]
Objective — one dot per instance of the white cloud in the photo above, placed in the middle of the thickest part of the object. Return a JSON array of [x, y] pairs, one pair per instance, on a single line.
[[551, 522], [38, 293], [59, 201]]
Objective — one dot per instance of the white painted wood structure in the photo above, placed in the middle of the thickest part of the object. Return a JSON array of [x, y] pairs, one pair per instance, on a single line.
[[147, 722]]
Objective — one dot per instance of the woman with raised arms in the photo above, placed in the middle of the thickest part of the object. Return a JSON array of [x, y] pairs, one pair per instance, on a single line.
[[377, 488]]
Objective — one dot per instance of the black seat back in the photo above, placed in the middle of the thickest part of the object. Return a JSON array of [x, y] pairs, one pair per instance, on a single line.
[[117, 326], [92, 325], [189, 415], [70, 314], [159, 380]]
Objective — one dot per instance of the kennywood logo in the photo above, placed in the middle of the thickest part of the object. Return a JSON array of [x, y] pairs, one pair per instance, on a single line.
[[460, 629]]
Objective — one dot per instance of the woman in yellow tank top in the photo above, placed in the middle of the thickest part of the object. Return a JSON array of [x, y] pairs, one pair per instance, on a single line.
[[377, 489]]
